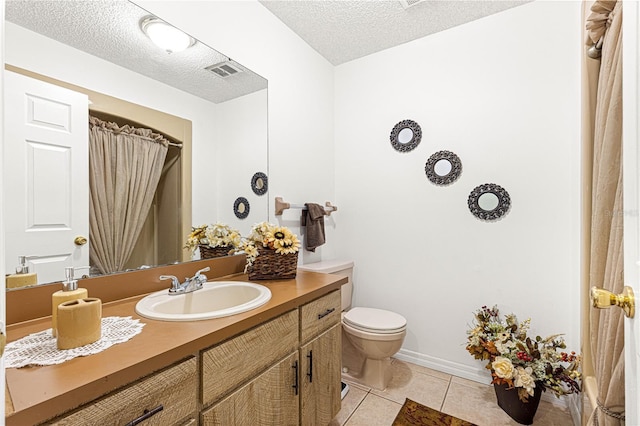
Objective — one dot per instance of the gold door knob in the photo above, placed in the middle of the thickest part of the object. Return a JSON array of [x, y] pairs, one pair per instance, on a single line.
[[603, 299], [80, 240]]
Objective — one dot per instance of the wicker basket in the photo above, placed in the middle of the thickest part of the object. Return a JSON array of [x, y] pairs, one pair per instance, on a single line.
[[207, 252], [270, 265]]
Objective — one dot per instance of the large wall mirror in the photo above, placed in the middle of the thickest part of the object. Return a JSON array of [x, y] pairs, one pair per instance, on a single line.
[[211, 109]]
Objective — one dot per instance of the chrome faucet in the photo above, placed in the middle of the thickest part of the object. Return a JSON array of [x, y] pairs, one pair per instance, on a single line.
[[189, 285]]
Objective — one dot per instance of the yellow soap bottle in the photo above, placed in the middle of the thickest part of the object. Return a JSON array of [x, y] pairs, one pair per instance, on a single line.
[[70, 291], [22, 277]]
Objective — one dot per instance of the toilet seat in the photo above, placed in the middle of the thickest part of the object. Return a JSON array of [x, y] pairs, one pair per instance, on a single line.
[[377, 321]]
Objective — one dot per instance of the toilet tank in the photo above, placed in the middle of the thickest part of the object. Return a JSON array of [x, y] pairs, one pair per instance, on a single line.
[[342, 268]]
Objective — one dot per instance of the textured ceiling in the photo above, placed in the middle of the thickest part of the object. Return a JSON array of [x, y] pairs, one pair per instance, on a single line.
[[345, 30], [110, 30], [339, 30]]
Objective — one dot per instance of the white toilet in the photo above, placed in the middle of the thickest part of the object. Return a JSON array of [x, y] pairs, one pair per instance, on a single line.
[[370, 337]]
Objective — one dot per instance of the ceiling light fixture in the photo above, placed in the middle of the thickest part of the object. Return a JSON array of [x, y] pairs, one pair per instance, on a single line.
[[165, 36]]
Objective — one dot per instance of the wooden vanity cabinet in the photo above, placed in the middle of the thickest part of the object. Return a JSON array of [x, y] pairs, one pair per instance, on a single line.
[[320, 362], [268, 400], [174, 389], [320, 359], [230, 364], [298, 385], [283, 372]]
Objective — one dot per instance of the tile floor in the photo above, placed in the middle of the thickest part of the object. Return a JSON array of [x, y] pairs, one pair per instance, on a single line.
[[458, 397]]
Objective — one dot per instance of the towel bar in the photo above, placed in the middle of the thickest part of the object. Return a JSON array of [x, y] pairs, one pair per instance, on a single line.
[[282, 206]]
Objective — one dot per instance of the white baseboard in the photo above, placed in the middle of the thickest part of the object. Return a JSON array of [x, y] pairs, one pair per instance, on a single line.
[[481, 375]]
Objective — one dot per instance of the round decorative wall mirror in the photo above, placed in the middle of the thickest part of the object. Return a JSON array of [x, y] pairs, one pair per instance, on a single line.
[[241, 207], [259, 183], [489, 201], [443, 168], [406, 135]]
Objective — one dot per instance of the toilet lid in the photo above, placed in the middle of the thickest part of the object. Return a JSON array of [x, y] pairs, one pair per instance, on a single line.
[[375, 320]]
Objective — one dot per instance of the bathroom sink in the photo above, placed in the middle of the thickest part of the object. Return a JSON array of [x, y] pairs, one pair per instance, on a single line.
[[214, 300]]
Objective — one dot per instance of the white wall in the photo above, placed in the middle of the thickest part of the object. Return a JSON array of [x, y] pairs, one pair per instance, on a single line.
[[301, 133], [503, 94], [241, 152]]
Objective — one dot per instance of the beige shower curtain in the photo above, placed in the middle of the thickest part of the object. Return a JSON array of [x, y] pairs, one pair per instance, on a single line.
[[602, 139], [125, 165]]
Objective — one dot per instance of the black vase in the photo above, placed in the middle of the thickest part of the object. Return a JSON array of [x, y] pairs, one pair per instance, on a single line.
[[521, 412]]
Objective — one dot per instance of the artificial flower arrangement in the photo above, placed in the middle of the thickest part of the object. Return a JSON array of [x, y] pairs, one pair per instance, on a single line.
[[265, 241], [214, 236], [519, 361]]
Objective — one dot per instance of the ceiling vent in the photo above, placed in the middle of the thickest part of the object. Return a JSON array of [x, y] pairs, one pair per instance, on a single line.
[[224, 69], [408, 3]]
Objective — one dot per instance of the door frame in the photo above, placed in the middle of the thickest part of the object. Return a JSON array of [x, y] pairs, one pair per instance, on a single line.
[[631, 176], [2, 265]]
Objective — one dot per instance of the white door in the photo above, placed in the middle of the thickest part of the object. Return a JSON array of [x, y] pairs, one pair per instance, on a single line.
[[631, 175], [46, 178]]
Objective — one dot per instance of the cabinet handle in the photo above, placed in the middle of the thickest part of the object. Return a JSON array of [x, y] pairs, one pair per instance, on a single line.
[[295, 376], [146, 415], [325, 313], [310, 373]]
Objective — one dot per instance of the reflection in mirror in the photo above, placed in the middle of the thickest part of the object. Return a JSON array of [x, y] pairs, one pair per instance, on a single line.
[[489, 201], [405, 135], [443, 168], [112, 63]]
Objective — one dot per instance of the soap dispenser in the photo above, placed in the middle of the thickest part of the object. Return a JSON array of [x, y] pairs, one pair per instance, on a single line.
[[70, 291], [22, 277]]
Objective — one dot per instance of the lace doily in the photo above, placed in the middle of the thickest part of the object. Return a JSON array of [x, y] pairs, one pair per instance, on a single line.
[[42, 348]]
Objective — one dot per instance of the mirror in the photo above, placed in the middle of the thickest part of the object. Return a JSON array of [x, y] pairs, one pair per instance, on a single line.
[[259, 183], [489, 202], [405, 136], [98, 46], [443, 168], [241, 208]]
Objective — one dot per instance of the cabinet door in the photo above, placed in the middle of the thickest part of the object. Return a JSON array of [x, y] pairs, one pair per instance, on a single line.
[[320, 377], [270, 399], [164, 398], [227, 366]]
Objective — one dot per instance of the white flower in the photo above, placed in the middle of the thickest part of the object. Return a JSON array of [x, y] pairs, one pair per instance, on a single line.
[[504, 347], [524, 379], [503, 367]]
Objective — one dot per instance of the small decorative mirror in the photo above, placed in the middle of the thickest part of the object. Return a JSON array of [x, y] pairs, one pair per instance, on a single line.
[[406, 135], [259, 183], [241, 207], [489, 201], [443, 168]]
